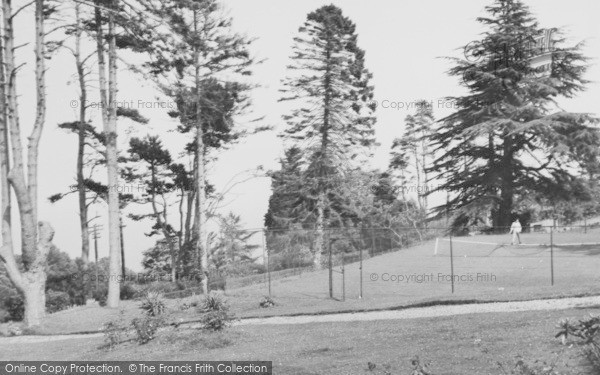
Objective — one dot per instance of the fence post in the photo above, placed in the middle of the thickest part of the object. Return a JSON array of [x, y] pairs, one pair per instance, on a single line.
[[372, 241], [264, 235], [451, 264], [360, 267], [343, 280], [552, 256], [330, 272]]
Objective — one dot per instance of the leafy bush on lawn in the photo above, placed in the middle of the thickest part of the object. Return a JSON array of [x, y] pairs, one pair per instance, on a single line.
[[15, 307], [115, 331], [266, 302], [588, 332], [100, 295], [57, 301], [128, 291], [417, 368], [153, 304], [146, 328], [523, 368], [215, 313]]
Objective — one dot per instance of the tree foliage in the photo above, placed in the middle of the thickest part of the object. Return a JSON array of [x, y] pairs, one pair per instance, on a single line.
[[509, 139]]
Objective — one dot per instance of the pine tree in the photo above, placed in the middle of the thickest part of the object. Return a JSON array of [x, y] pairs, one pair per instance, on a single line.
[[156, 176], [232, 248], [285, 203], [508, 138], [201, 49], [333, 119], [411, 154]]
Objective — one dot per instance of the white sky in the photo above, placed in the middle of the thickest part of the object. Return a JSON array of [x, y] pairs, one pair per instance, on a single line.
[[404, 42]]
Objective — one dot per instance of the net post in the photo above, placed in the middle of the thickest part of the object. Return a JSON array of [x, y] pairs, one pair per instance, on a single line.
[[437, 242], [451, 264], [265, 250], [552, 256], [343, 280], [330, 272], [372, 241], [360, 293]]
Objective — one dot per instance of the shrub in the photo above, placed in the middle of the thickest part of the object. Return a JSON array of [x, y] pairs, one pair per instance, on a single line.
[[114, 331], [588, 332], [153, 305], [15, 307], [215, 320], [128, 291], [522, 368], [100, 295], [217, 283], [146, 328], [57, 301], [266, 302], [418, 367], [215, 311]]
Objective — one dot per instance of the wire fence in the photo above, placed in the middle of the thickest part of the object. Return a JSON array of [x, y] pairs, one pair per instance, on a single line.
[[418, 263]]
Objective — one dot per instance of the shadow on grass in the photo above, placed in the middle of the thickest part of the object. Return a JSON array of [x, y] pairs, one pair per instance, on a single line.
[[590, 250]]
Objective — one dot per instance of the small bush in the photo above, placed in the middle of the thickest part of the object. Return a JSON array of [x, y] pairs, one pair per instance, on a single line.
[[418, 367], [100, 295], [57, 301], [128, 291], [11, 329], [217, 283], [114, 331], [266, 302], [153, 305], [215, 311], [522, 368], [146, 328], [588, 332], [15, 306]]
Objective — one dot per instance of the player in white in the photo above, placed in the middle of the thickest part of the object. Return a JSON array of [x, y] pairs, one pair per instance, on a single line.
[[515, 229]]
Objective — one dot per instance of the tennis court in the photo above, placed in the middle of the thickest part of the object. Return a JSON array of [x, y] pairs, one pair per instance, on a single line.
[[483, 267]]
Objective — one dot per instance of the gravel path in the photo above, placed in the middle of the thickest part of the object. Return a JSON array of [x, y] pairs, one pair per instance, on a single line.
[[409, 313], [432, 311]]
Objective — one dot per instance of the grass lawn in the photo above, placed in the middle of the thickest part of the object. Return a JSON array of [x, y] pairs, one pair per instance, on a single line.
[[410, 276], [466, 344]]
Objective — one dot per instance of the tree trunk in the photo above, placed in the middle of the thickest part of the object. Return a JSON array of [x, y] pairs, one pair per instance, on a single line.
[[201, 209], [418, 175], [507, 191], [320, 232], [35, 243], [163, 224], [113, 172], [5, 200], [83, 213], [35, 298], [34, 138], [425, 151], [200, 172], [109, 120]]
